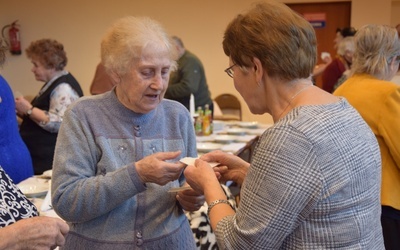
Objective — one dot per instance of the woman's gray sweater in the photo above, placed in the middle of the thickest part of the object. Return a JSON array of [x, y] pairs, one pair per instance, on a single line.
[[96, 188]]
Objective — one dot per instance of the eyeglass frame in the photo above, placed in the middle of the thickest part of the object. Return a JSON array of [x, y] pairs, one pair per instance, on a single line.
[[229, 70]]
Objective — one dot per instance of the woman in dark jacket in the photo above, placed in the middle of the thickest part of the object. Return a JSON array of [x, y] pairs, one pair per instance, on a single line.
[[43, 116]]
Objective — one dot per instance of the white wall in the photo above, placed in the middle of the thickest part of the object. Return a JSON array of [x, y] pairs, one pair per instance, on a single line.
[[80, 24]]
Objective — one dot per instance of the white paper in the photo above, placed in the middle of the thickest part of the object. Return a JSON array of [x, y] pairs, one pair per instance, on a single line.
[[191, 160], [46, 205], [325, 54]]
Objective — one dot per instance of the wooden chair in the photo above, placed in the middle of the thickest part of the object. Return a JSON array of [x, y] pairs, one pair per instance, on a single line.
[[230, 107], [246, 153]]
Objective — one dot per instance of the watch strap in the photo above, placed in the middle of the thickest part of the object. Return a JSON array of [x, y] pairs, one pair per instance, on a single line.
[[29, 111]]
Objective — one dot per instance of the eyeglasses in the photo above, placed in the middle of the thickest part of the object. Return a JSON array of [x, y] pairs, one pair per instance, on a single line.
[[230, 71]]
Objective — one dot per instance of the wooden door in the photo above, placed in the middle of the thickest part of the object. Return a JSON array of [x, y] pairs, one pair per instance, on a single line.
[[326, 18]]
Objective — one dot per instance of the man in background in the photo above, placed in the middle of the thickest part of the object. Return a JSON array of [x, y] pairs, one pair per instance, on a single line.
[[188, 79]]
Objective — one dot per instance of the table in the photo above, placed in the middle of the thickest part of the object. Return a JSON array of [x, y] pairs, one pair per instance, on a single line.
[[234, 137]]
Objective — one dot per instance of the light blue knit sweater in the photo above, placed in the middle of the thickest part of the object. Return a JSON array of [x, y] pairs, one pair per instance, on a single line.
[[96, 188]]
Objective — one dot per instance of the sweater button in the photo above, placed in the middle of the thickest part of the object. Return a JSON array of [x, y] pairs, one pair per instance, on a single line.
[[139, 242]]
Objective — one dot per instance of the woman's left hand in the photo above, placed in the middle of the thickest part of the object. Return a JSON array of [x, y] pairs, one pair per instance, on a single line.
[[22, 106], [190, 200]]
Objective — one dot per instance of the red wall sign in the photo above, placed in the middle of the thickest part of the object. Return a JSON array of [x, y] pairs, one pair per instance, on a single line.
[[317, 20]]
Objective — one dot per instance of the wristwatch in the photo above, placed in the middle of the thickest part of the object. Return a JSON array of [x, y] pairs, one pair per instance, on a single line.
[[29, 111]]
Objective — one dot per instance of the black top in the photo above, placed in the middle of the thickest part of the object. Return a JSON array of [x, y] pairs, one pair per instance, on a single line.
[[41, 143]]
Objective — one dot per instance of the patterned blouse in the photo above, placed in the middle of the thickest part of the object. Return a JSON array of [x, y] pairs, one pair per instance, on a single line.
[[14, 205], [61, 97]]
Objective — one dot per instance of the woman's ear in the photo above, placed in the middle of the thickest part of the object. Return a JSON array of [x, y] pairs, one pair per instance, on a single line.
[[115, 77], [258, 69]]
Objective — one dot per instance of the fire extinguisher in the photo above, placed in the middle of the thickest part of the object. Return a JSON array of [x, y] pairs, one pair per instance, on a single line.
[[13, 38]]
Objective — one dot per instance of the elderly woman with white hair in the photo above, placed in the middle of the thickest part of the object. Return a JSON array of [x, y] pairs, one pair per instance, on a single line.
[[376, 60], [117, 153]]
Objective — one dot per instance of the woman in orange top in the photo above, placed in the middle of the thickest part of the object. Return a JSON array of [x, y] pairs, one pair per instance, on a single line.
[[376, 60]]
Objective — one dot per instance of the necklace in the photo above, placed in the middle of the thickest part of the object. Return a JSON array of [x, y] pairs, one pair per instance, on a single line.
[[292, 98]]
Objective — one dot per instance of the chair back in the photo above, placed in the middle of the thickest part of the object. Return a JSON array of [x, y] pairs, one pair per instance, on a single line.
[[230, 106]]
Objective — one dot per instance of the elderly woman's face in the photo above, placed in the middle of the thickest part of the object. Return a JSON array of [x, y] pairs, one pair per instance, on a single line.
[[41, 73], [143, 88]]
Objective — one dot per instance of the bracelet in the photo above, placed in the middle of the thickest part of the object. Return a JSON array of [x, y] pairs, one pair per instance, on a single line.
[[216, 202]]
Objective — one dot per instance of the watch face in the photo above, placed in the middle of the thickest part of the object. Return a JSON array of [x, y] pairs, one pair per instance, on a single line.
[[29, 112]]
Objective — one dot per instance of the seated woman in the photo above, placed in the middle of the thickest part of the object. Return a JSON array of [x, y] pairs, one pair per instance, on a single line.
[[43, 116], [341, 64]]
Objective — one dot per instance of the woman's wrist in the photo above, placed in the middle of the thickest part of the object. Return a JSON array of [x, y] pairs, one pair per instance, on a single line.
[[213, 192], [217, 202], [29, 111]]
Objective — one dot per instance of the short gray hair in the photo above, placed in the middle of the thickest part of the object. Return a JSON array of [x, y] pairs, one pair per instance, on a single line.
[[376, 46], [123, 43]]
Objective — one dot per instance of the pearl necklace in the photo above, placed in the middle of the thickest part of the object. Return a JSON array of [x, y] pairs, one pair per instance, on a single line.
[[292, 98]]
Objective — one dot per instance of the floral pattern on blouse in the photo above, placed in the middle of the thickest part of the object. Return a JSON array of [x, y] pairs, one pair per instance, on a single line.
[[61, 97], [14, 205]]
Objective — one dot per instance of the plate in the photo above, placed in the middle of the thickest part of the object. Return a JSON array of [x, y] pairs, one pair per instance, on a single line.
[[48, 173], [225, 138], [33, 187], [236, 131], [248, 124], [218, 125], [207, 147]]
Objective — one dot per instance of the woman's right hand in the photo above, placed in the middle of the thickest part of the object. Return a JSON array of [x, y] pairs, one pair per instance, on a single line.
[[40, 232], [155, 169], [231, 166]]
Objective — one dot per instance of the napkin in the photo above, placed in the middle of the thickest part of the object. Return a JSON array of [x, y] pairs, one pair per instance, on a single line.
[[46, 205]]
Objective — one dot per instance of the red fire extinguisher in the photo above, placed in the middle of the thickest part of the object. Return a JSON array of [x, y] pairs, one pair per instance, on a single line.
[[13, 38]]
